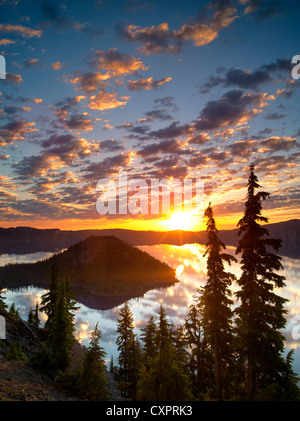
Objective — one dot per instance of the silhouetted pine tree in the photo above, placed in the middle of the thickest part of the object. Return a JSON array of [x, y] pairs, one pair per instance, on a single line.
[[36, 318], [94, 381], [61, 330], [201, 359], [164, 380], [260, 315], [49, 299], [13, 312], [148, 338], [125, 331], [134, 366], [215, 302], [30, 319]]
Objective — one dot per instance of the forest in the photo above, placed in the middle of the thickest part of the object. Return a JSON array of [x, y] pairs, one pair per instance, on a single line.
[[218, 353]]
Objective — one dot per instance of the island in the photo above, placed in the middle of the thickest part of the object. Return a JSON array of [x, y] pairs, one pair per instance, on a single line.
[[103, 271]]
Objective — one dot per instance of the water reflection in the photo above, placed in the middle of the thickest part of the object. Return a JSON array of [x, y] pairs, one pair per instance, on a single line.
[[190, 266]]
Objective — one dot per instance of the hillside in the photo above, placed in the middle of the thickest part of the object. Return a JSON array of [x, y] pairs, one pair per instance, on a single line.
[[103, 267], [23, 240]]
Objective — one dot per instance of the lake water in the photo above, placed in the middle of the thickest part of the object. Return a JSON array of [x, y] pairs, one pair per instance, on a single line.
[[190, 267]]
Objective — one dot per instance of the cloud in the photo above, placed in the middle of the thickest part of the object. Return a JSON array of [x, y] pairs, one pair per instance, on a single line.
[[146, 84], [111, 145], [105, 101], [12, 78], [242, 78], [20, 30], [117, 64], [232, 109], [166, 147], [58, 65], [107, 167], [90, 82], [277, 143], [15, 131], [79, 122], [174, 130], [261, 10], [33, 62], [160, 39], [6, 41], [57, 152], [247, 79], [274, 116]]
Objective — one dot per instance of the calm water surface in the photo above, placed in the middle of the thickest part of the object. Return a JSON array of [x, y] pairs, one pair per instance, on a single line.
[[190, 267]]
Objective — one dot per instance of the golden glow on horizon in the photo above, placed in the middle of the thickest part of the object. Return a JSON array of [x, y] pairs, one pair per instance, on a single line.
[[228, 221], [180, 220]]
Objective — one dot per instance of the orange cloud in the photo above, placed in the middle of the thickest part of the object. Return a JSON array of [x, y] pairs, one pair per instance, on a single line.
[[159, 39], [11, 77], [15, 131], [147, 84], [105, 101], [116, 63], [57, 65], [89, 82], [6, 41], [19, 29]]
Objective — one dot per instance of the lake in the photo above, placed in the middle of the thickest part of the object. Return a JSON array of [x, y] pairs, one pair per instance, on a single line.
[[190, 266]]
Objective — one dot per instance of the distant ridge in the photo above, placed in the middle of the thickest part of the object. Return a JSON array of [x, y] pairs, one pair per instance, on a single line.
[[23, 240]]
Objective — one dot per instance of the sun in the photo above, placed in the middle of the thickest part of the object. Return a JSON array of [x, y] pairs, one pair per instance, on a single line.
[[180, 221]]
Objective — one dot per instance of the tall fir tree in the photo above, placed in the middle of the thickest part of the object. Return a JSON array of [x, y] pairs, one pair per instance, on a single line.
[[124, 341], [215, 301], [36, 318], [148, 338], [260, 314], [200, 355], [50, 298], [61, 338], [94, 381], [164, 380]]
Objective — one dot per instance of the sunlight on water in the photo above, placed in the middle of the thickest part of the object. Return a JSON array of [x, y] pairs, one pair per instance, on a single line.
[[190, 267]]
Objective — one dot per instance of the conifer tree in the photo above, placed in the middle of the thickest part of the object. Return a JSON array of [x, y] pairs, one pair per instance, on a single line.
[[125, 331], [61, 331], [30, 319], [215, 301], [49, 299], [260, 314], [134, 366], [94, 382], [148, 338], [164, 380], [36, 318], [13, 312], [200, 356]]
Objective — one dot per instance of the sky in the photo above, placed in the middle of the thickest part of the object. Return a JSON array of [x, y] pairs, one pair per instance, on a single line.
[[156, 90]]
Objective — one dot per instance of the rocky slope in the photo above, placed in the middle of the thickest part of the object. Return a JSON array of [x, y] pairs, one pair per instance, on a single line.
[[27, 381]]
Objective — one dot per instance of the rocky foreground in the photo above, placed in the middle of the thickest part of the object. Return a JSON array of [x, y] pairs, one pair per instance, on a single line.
[[25, 380]]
